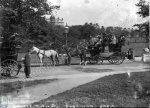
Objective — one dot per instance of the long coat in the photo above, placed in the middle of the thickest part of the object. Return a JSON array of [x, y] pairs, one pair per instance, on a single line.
[[27, 60]]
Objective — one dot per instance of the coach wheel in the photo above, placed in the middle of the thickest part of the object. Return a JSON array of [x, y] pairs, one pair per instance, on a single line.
[[116, 60], [110, 59], [100, 60], [94, 59], [91, 60], [113, 60], [5, 72], [120, 60], [119, 57], [9, 68]]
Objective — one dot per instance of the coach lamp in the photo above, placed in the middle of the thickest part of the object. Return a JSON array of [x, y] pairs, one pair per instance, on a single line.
[[66, 32]]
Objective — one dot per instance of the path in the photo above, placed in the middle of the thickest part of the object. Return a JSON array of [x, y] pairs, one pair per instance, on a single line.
[[39, 73], [69, 77]]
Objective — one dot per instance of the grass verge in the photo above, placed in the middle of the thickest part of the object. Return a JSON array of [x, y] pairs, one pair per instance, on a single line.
[[12, 86], [91, 70], [110, 91]]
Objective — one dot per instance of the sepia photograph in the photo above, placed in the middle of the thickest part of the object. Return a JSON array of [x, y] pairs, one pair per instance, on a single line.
[[74, 53]]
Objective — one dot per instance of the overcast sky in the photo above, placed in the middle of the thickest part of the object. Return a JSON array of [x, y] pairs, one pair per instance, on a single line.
[[104, 12]]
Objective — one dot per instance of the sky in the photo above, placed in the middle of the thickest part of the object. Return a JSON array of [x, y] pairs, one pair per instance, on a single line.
[[104, 12]]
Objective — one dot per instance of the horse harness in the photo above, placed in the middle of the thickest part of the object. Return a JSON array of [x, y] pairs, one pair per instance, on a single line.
[[41, 53], [68, 51], [82, 46]]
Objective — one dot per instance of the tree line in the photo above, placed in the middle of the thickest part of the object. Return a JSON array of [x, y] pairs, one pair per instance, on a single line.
[[26, 17]]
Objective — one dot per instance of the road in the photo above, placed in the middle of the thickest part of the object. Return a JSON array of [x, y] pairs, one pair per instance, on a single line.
[[73, 71], [69, 77]]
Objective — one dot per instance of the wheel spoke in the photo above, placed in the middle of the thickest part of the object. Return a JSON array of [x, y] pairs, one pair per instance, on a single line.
[[100, 60], [120, 60], [9, 67]]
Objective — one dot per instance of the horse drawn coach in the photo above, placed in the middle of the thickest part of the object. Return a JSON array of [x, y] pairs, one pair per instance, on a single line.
[[9, 53], [101, 48], [106, 48]]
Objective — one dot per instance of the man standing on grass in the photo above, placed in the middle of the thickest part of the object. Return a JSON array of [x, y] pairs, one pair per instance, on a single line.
[[27, 64]]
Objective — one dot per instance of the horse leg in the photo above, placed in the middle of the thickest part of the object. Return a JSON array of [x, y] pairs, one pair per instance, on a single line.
[[41, 63], [69, 59], [85, 62], [44, 63], [53, 64], [50, 61], [81, 58], [57, 60], [41, 60], [54, 59]]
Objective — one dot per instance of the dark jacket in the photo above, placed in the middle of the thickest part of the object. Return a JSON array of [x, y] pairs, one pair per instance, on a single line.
[[27, 60]]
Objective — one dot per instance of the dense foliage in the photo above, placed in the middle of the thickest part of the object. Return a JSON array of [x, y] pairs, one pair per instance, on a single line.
[[89, 30], [143, 12], [25, 17]]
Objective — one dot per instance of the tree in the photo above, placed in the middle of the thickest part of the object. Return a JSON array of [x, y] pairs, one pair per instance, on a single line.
[[125, 32], [102, 30], [87, 30], [109, 31], [56, 35], [143, 12], [25, 17], [117, 31], [74, 35]]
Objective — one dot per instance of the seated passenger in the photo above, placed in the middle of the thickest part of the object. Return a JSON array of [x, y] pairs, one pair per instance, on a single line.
[[105, 42], [92, 41], [99, 43], [112, 43], [83, 45]]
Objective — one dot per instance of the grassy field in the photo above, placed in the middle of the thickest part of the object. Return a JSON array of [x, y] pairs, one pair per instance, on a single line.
[[138, 47], [110, 91], [136, 44], [138, 40]]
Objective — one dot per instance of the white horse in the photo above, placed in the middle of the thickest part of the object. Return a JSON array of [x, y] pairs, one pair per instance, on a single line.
[[51, 54]]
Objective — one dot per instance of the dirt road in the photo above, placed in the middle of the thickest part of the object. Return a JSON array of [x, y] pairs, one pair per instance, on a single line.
[[79, 70], [69, 77]]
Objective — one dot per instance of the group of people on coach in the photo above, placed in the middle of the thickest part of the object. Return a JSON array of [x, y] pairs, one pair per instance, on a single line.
[[101, 42]]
